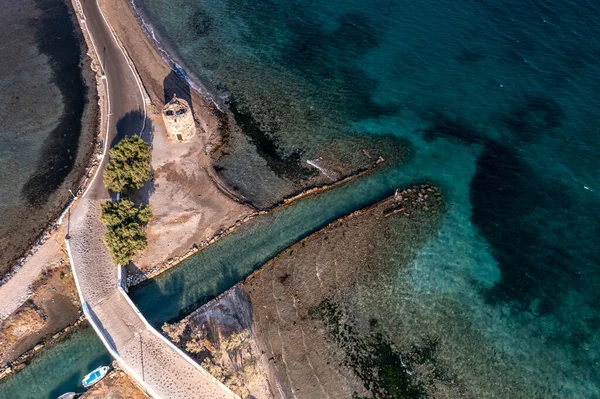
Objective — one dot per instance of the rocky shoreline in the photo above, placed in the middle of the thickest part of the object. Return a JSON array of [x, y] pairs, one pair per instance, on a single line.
[[24, 359]]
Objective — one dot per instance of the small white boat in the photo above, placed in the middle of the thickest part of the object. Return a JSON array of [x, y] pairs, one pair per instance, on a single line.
[[94, 376], [68, 395]]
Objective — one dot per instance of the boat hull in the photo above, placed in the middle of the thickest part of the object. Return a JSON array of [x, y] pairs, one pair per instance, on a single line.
[[95, 376]]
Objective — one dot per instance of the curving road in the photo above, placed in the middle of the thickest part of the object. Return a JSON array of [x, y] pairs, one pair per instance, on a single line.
[[150, 359], [127, 111]]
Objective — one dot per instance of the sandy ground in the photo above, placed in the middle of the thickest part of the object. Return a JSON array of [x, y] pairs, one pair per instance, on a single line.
[[116, 385], [187, 206], [18, 289], [53, 306]]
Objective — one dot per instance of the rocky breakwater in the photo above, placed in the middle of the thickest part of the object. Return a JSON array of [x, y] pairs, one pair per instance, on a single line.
[[298, 327]]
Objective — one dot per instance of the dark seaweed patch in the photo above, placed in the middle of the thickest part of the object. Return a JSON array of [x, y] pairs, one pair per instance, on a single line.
[[356, 32], [385, 372], [200, 22], [332, 56], [446, 127], [57, 38], [505, 193], [287, 166], [534, 117], [507, 196], [469, 56]]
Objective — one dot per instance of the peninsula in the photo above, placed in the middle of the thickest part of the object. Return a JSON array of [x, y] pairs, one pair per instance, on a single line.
[[143, 97]]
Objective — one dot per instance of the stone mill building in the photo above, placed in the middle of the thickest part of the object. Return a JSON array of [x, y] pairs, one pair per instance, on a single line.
[[178, 119]]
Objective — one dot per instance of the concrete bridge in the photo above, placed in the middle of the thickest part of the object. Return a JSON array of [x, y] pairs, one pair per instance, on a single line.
[[156, 364]]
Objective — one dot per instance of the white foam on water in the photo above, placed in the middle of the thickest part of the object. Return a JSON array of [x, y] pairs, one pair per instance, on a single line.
[[169, 59], [330, 175]]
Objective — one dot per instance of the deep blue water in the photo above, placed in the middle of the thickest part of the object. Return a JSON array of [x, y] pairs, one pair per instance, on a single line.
[[499, 100]]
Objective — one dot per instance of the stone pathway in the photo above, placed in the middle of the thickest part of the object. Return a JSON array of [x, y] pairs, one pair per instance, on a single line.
[[162, 369], [155, 364]]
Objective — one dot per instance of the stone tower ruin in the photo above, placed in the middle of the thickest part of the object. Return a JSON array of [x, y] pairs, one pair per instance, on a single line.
[[178, 119]]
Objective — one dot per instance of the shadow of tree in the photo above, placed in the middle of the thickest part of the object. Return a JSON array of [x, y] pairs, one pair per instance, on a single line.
[[128, 126]]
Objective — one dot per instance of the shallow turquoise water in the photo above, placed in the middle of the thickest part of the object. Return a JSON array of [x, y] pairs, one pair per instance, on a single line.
[[228, 261], [59, 369], [499, 100]]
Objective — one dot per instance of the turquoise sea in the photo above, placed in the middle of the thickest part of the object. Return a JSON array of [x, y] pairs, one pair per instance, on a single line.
[[499, 101]]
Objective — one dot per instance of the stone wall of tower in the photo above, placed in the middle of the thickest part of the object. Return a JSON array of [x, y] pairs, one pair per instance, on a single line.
[[179, 120]]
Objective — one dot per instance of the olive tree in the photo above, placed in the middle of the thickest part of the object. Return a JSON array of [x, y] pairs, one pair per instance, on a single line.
[[129, 166], [125, 237]]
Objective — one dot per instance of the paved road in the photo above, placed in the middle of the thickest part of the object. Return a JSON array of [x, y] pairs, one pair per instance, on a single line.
[[127, 111], [165, 372]]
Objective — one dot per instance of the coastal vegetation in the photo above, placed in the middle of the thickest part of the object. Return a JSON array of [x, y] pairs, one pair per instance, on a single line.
[[129, 169], [125, 237], [129, 166]]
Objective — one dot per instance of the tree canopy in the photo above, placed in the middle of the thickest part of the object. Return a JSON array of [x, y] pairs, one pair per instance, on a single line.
[[129, 166], [125, 237], [124, 212]]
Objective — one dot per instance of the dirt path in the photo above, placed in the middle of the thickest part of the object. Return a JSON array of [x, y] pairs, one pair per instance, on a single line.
[[18, 289]]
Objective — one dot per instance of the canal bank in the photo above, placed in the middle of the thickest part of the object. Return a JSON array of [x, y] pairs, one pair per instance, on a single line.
[[58, 369], [248, 248]]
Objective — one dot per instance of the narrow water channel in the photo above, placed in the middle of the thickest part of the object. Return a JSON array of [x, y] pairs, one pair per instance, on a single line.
[[199, 279], [58, 369], [217, 268]]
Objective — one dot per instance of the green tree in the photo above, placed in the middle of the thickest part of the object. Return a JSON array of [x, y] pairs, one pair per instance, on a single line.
[[124, 212], [125, 237], [129, 166]]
